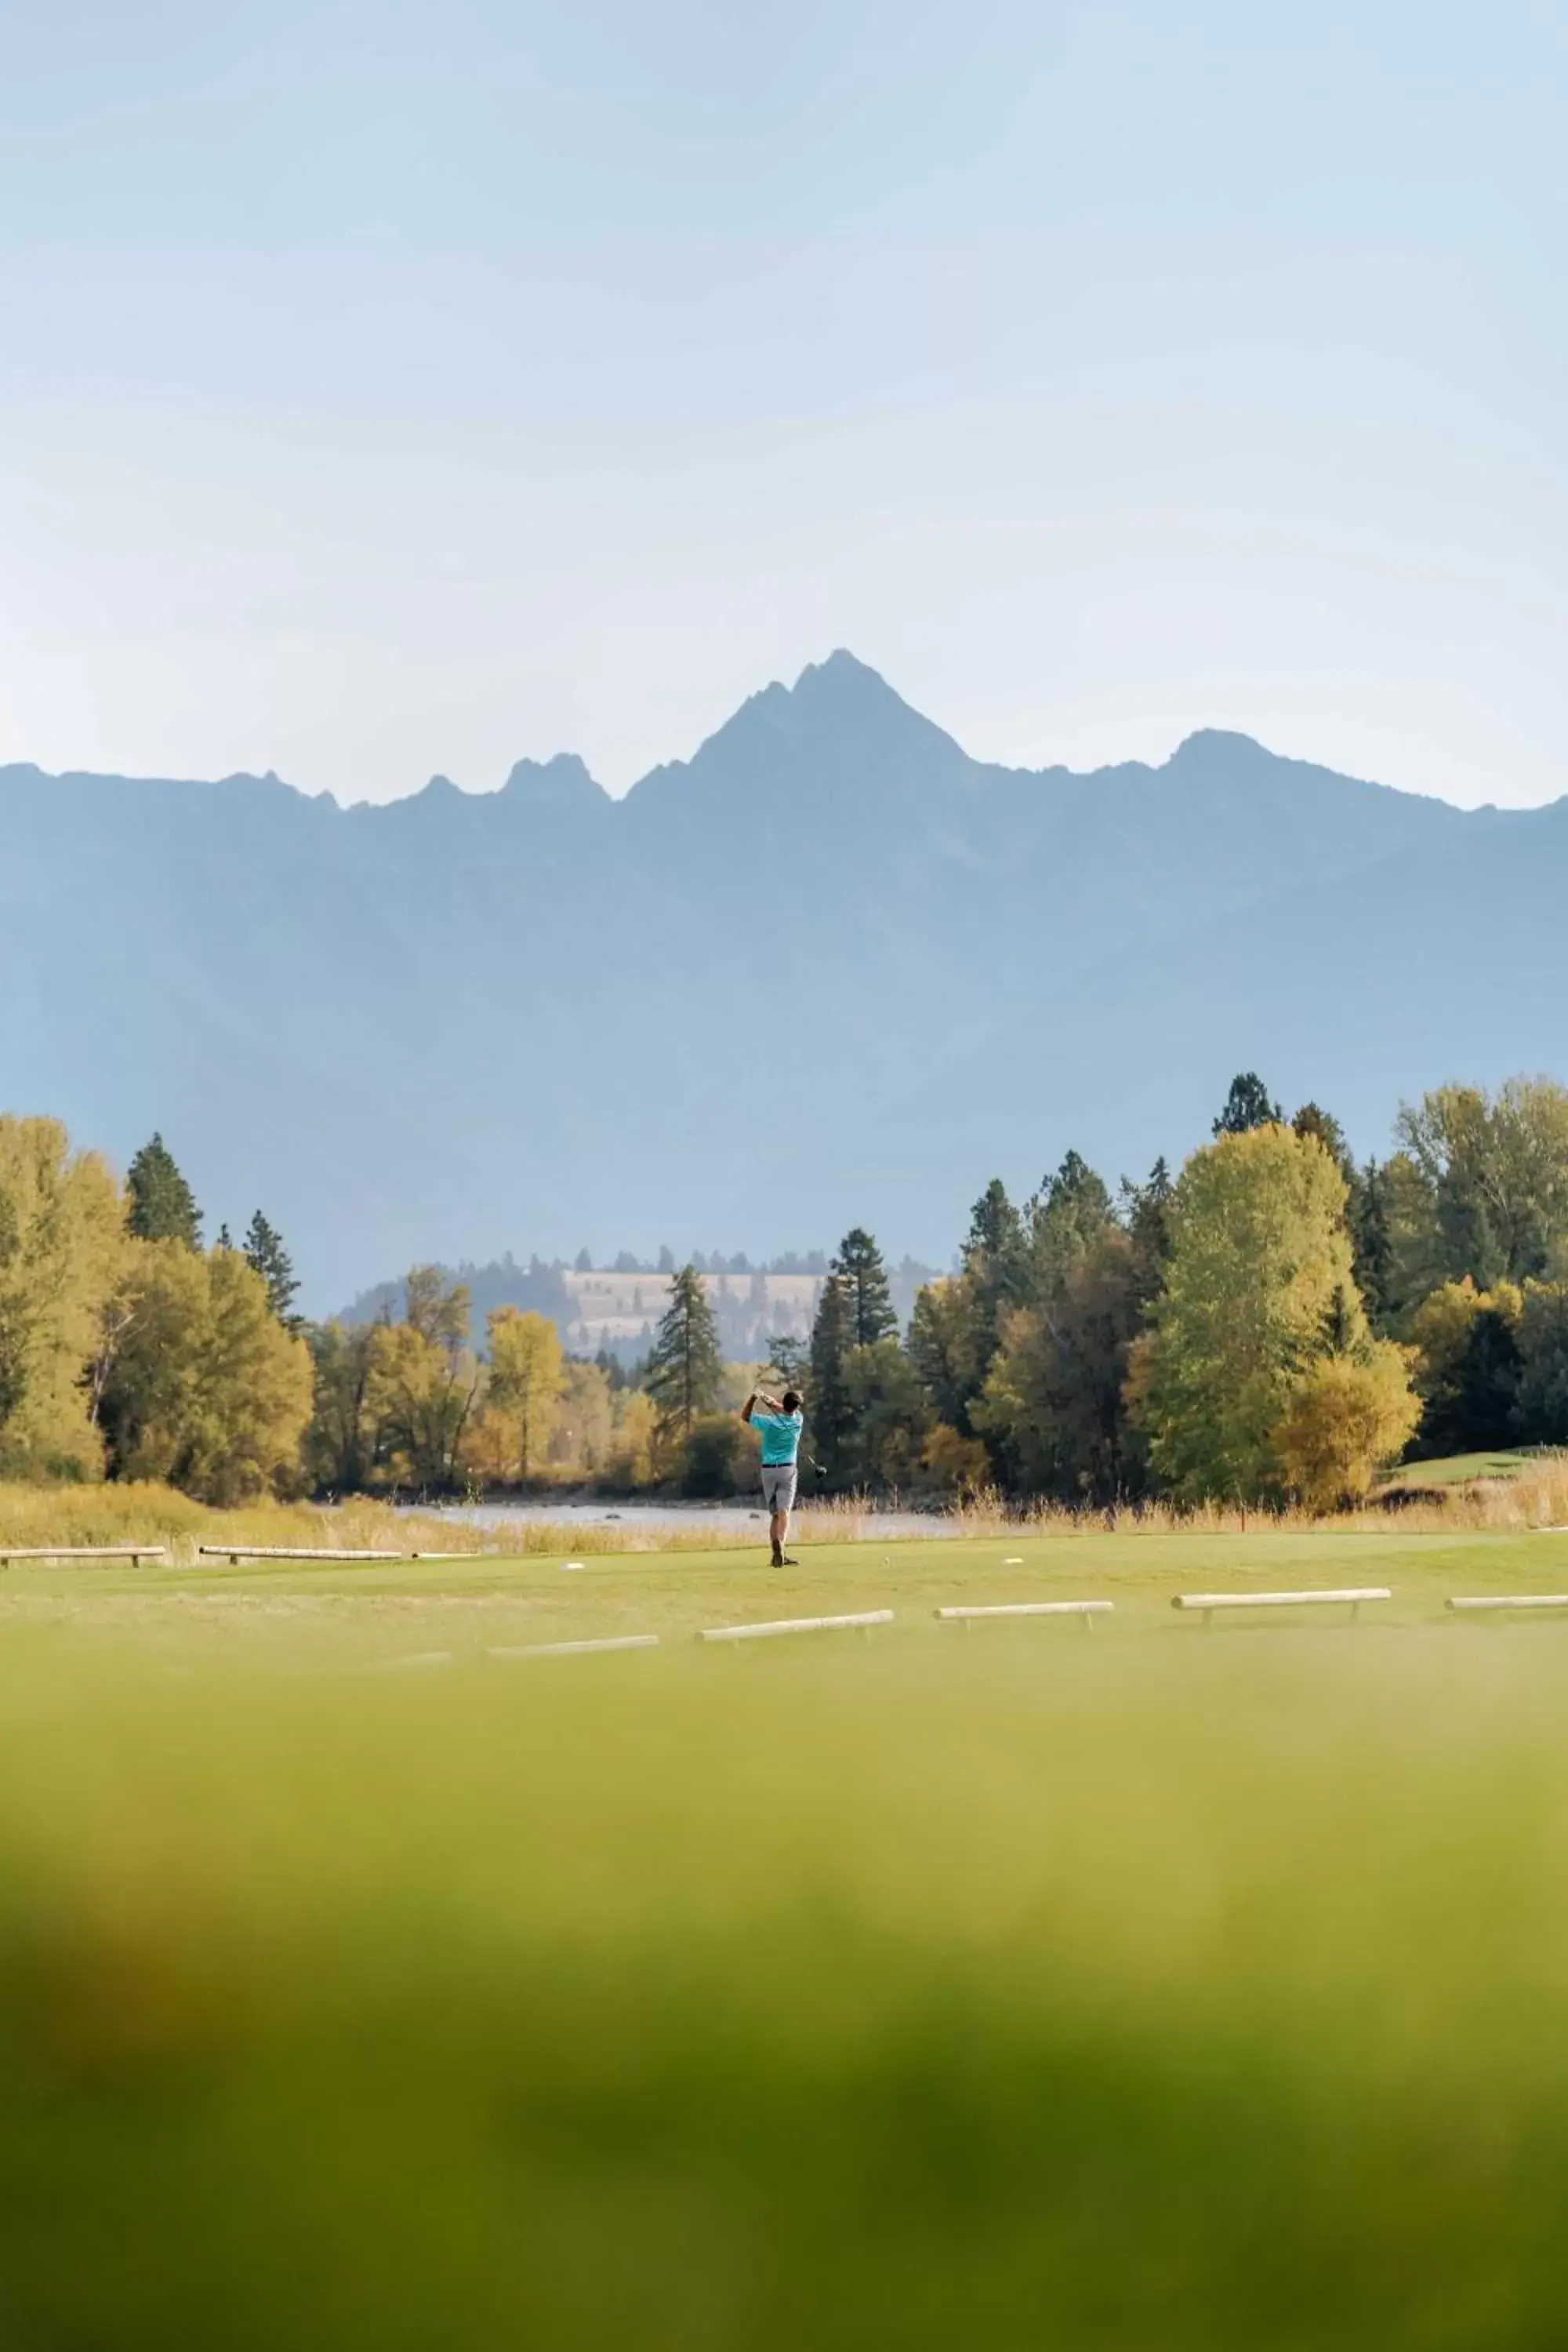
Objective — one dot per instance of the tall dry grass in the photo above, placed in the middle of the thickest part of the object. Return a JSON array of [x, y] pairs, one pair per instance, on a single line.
[[34, 1515]]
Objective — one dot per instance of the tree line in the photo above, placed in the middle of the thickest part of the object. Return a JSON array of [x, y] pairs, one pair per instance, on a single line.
[[1274, 1323]]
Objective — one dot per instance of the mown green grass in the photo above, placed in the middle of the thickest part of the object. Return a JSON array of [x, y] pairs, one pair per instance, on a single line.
[[1460, 1469], [1158, 1988]]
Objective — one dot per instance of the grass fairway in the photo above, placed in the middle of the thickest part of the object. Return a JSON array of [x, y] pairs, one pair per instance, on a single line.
[[1159, 1988], [1460, 1469]]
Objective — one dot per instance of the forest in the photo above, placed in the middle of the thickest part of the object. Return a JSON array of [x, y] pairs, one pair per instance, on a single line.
[[1273, 1324]]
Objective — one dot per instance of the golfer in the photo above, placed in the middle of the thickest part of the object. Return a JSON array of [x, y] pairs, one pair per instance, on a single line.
[[778, 1423]]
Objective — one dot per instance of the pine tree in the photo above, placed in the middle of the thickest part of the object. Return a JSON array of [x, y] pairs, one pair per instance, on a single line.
[[684, 1369], [1247, 1106], [264, 1250], [863, 1279], [1146, 1213], [832, 1410], [161, 1207], [1311, 1120], [1372, 1243], [1068, 1217], [789, 1360]]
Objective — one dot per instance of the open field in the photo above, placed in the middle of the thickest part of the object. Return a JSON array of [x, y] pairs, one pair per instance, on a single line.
[[339, 1614], [1154, 1988]]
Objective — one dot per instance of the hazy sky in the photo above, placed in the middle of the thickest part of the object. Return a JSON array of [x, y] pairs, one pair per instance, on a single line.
[[386, 388]]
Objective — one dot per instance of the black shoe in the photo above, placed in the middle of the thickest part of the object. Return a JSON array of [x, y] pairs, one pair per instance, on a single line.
[[783, 1560]]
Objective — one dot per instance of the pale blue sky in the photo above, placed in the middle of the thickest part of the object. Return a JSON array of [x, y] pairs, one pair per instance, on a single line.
[[391, 388]]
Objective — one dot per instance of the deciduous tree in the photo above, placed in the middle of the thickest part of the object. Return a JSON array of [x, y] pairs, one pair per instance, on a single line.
[[1497, 1170], [62, 1252], [1259, 1253], [340, 1442], [1348, 1416], [207, 1390], [424, 1381], [526, 1380]]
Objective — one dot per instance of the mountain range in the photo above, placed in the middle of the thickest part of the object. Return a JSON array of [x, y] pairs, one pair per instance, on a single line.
[[828, 970]]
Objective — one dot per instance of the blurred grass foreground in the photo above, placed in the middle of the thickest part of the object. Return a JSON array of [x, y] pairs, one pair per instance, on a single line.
[[1168, 1994]]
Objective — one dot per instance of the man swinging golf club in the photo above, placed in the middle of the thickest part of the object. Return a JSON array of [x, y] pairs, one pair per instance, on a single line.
[[778, 1422]]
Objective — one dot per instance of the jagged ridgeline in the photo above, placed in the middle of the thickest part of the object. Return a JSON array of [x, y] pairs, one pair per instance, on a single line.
[[830, 961]]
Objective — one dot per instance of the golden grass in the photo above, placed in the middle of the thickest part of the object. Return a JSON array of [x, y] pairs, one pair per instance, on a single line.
[[35, 1516], [31, 1516]]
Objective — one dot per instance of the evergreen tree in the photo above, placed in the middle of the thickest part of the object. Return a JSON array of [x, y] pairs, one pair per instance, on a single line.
[[995, 1242], [1146, 1213], [1067, 1216], [789, 1359], [832, 1409], [863, 1279], [265, 1252], [996, 1270], [1372, 1244], [1322, 1124], [225, 1238], [684, 1369], [162, 1205], [1247, 1106]]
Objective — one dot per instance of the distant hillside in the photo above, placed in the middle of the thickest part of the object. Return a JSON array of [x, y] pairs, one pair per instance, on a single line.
[[617, 1308], [829, 971]]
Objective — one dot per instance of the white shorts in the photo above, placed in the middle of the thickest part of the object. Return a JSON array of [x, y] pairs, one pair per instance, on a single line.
[[778, 1485]]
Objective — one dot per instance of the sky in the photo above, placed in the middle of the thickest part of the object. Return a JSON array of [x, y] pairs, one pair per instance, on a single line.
[[392, 388]]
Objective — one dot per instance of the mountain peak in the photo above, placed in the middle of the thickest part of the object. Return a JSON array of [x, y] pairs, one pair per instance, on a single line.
[[841, 669], [1212, 746], [562, 781]]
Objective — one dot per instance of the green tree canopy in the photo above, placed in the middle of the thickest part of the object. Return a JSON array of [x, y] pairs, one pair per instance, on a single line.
[[1468, 1366], [832, 1410], [1068, 1217], [1311, 1120], [340, 1443], [684, 1369], [1497, 1168], [1541, 1410], [160, 1203], [868, 1297], [266, 1255], [1260, 1288], [1247, 1106], [1054, 1395], [207, 1390]]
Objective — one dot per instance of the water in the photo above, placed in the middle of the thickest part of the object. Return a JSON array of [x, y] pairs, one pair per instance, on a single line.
[[734, 1519]]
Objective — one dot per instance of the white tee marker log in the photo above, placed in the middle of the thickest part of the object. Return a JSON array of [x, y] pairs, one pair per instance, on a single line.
[[574, 1649], [1352, 1597], [1506, 1600], [1086, 1611], [859, 1622]]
